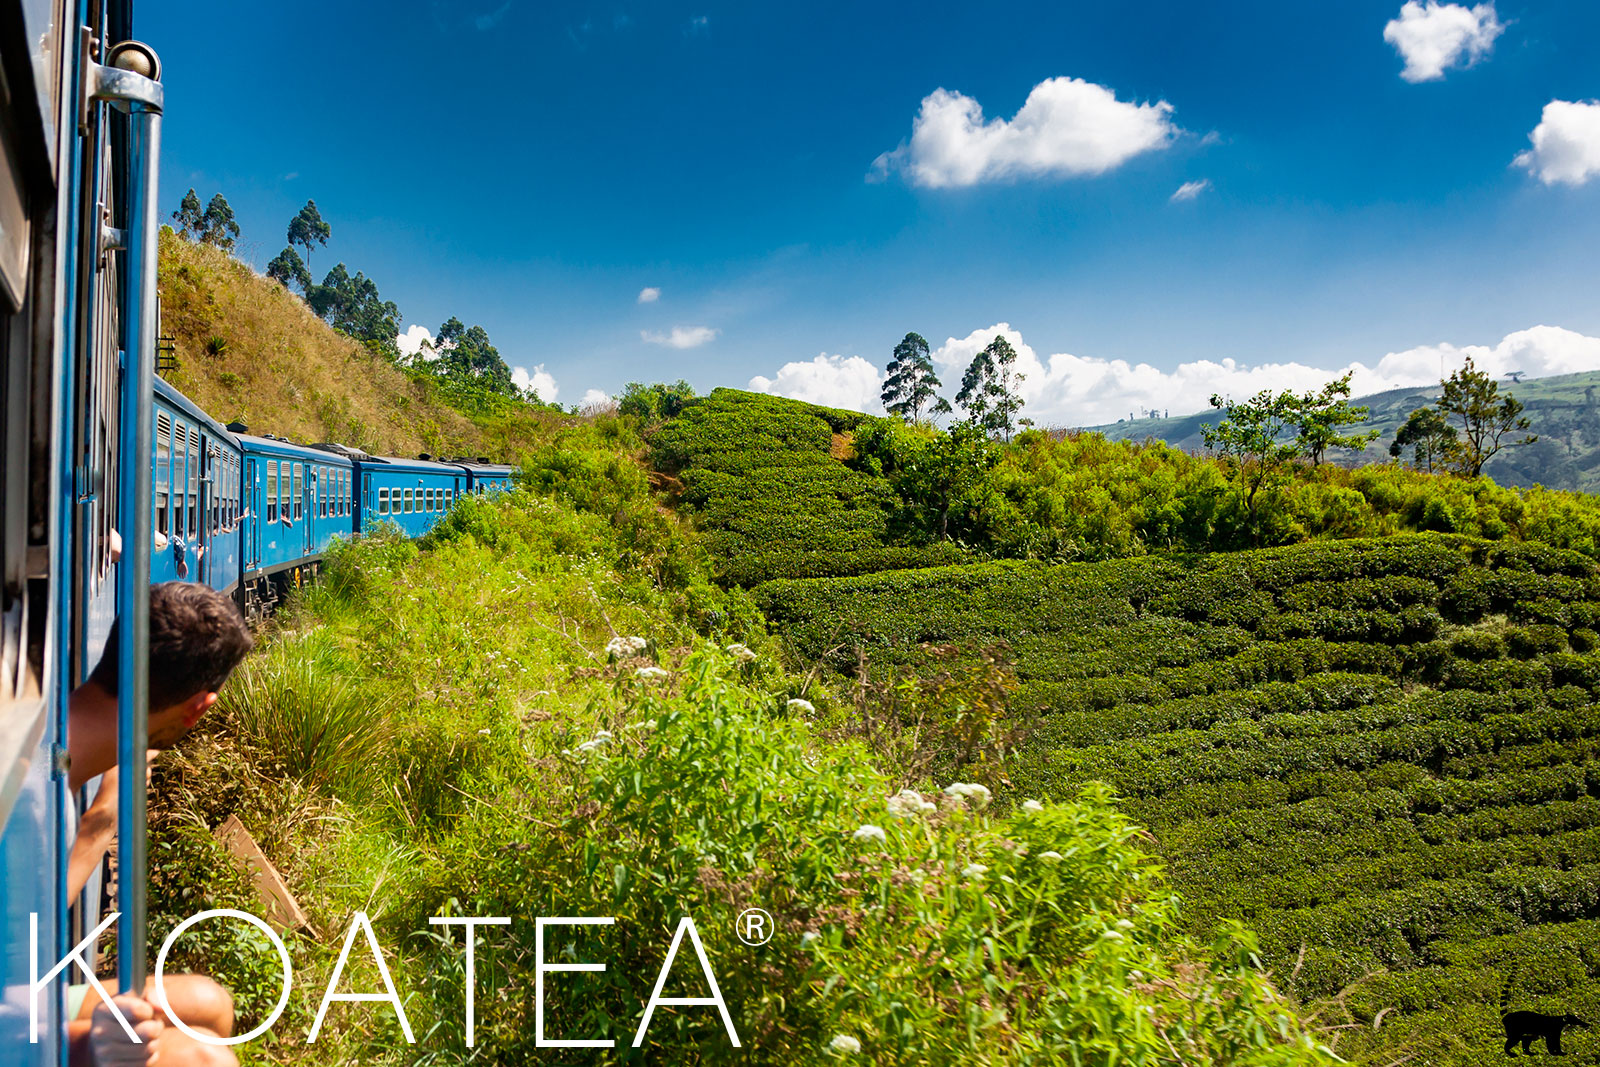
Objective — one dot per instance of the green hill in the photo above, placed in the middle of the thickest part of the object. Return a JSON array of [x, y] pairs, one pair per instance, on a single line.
[[1379, 754], [1564, 412]]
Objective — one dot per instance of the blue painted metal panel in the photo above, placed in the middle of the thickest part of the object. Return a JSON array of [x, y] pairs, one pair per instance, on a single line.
[[197, 471], [411, 494], [299, 501]]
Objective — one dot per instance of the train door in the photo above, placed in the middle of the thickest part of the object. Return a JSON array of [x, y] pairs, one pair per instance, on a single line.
[[206, 517]]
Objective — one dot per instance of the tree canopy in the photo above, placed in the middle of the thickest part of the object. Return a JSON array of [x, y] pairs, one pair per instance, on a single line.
[[988, 393], [1429, 436], [911, 386], [288, 270], [1318, 416], [218, 226], [1474, 398], [352, 306], [307, 229]]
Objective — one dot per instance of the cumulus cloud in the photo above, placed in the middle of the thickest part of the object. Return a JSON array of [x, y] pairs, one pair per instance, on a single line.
[[834, 381], [1566, 143], [1190, 190], [1069, 390], [594, 398], [1432, 37], [539, 380], [414, 339], [649, 294], [1068, 127], [680, 336]]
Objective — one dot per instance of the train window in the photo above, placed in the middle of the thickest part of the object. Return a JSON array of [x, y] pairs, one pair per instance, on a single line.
[[272, 490], [161, 480], [347, 491], [194, 482], [449, 498], [411, 500], [299, 491], [430, 501]]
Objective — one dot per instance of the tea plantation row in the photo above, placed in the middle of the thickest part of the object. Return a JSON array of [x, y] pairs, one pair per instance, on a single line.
[[1379, 754]]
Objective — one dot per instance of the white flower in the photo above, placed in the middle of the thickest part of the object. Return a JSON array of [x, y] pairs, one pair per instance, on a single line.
[[1124, 924], [622, 647], [741, 652], [974, 871], [642, 724], [808, 937], [650, 674], [804, 707], [484, 732], [869, 832], [844, 1043], [1051, 856], [1032, 805], [590, 746], [978, 794], [908, 803], [602, 735], [1111, 935]]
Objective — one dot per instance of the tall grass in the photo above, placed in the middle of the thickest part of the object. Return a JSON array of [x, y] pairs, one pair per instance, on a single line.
[[293, 703]]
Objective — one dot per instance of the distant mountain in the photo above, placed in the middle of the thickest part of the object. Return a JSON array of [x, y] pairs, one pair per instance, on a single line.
[[1564, 412]]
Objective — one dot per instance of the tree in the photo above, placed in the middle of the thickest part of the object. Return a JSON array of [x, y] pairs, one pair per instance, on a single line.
[[988, 388], [1429, 436], [217, 226], [465, 353], [189, 217], [352, 306], [911, 384], [943, 472], [1473, 397], [1318, 417], [307, 229], [652, 403], [287, 267], [1250, 433]]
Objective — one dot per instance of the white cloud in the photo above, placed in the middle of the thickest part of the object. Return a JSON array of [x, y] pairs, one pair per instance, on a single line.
[[1432, 37], [1566, 143], [649, 294], [1190, 190], [1068, 390], [697, 26], [490, 20], [833, 381], [594, 398], [680, 336], [540, 381], [1067, 127], [418, 339]]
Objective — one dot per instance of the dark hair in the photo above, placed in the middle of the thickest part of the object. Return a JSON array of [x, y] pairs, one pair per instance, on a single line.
[[197, 638]]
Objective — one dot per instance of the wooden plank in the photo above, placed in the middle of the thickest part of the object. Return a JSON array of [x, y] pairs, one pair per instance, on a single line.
[[278, 905]]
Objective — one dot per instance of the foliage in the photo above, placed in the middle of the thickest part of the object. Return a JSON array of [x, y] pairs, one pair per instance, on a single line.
[[189, 216], [938, 476], [988, 393], [1317, 417], [1377, 753], [1250, 438], [287, 269], [653, 403], [466, 353], [308, 229], [352, 306], [1430, 437], [218, 226], [761, 479], [910, 384], [1473, 397]]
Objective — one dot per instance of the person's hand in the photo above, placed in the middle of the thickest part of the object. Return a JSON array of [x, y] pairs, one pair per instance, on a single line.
[[108, 1042], [105, 801]]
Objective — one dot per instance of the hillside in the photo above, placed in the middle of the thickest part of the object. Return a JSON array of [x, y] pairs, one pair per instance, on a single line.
[[1378, 754], [1564, 412], [248, 350]]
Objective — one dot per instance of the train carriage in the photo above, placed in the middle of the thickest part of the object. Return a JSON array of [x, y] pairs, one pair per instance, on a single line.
[[486, 477], [295, 500], [196, 485], [412, 494]]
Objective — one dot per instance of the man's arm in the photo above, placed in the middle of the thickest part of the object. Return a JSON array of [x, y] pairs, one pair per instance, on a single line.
[[96, 831]]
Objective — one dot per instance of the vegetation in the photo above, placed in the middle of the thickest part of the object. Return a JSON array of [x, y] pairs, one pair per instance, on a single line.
[[910, 386], [1486, 417], [575, 721], [251, 351], [1377, 754], [988, 394], [214, 226]]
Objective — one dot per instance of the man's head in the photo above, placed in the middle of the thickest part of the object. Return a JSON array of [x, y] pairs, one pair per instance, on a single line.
[[197, 638]]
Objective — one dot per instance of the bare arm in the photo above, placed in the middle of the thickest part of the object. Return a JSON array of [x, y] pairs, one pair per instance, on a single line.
[[96, 832]]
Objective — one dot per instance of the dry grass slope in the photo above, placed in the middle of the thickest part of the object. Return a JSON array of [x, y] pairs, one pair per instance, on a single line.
[[249, 350]]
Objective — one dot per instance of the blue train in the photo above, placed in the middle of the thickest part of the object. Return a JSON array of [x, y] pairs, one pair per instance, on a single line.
[[112, 479], [253, 516]]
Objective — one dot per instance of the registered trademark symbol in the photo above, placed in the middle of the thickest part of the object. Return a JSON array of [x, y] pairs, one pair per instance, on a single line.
[[754, 926]]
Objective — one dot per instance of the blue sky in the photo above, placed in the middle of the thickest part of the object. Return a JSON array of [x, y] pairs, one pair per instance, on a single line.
[[797, 187]]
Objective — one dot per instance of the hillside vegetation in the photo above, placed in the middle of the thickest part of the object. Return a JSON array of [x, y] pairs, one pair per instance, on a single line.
[[249, 350], [1563, 411], [546, 708]]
